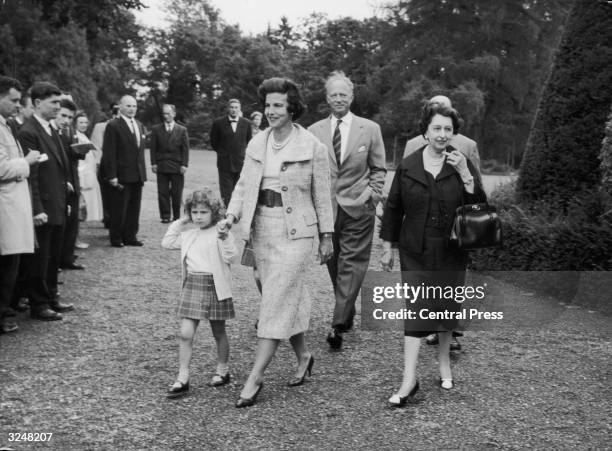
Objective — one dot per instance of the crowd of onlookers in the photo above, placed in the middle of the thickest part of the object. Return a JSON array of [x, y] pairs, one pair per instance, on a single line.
[[49, 182]]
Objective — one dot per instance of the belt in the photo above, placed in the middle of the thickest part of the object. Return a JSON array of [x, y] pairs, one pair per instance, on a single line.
[[270, 198]]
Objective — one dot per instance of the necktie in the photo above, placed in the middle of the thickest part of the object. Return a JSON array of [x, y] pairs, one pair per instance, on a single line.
[[337, 143], [135, 132]]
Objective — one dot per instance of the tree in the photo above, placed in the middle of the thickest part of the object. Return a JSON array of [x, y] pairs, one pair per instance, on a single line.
[[561, 159]]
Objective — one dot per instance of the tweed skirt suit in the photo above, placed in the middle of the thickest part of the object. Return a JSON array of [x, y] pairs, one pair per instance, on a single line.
[[284, 236]]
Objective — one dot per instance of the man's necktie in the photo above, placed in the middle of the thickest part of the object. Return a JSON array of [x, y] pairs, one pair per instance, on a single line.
[[337, 143], [135, 132]]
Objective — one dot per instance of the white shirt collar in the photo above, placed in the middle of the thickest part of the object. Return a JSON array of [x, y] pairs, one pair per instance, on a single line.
[[346, 119], [237, 118], [44, 123], [128, 119]]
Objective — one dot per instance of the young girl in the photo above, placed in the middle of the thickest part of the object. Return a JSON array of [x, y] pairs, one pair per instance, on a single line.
[[206, 252]]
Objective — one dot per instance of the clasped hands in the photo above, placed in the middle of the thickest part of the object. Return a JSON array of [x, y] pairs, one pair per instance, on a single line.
[[386, 259]]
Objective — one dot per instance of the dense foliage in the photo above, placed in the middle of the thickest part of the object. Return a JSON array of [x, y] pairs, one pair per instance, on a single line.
[[561, 156], [491, 58]]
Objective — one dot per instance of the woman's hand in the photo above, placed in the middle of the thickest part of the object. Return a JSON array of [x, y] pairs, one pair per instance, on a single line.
[[386, 259], [229, 220], [457, 160], [326, 248]]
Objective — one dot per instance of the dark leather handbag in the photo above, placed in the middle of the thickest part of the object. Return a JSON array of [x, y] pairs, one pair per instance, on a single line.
[[476, 226], [248, 255]]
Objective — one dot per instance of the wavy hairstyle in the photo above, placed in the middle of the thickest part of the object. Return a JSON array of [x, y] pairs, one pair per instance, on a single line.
[[431, 109], [295, 104], [208, 197]]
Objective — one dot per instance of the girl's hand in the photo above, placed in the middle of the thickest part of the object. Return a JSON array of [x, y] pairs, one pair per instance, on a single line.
[[457, 160], [222, 229]]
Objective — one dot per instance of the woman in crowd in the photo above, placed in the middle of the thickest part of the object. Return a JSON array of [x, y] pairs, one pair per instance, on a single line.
[[90, 189], [283, 195], [427, 188], [256, 117]]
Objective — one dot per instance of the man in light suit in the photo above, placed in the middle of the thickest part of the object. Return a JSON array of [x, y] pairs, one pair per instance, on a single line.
[[460, 142], [357, 168], [169, 160], [124, 169], [229, 137]]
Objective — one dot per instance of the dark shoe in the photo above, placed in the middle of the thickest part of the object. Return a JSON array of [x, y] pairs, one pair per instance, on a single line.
[[218, 380], [334, 338], [46, 315], [247, 402], [176, 392], [432, 339], [447, 384], [399, 401], [22, 304], [60, 307], [456, 333], [300, 380], [165, 221], [455, 345], [73, 265], [7, 326], [116, 244], [134, 243]]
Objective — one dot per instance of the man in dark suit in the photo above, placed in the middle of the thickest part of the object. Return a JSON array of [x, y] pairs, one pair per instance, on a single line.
[[124, 169], [63, 121], [169, 160], [357, 167], [229, 136], [49, 184]]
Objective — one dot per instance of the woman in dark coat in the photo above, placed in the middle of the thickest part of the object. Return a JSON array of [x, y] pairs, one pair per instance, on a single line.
[[427, 188]]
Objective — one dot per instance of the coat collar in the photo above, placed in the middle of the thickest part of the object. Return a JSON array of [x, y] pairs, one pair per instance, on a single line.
[[300, 148], [413, 167]]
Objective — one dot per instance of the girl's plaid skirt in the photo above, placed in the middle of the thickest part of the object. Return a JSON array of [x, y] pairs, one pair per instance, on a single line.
[[199, 300]]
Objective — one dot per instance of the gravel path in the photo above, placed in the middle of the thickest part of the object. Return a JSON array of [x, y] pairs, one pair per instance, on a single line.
[[96, 380]]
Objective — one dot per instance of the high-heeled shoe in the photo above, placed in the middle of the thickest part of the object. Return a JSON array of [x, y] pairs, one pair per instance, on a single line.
[[300, 380], [447, 384], [399, 401], [176, 392], [247, 402]]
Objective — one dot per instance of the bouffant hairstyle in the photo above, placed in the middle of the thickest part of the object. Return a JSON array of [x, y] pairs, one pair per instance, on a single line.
[[431, 109], [279, 85], [207, 197]]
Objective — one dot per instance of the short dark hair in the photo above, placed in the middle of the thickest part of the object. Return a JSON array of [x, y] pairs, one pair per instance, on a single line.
[[431, 109], [79, 114], [68, 104], [206, 196], [43, 90], [283, 86], [6, 83]]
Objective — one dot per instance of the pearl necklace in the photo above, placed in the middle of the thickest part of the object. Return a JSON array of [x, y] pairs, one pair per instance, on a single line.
[[276, 146]]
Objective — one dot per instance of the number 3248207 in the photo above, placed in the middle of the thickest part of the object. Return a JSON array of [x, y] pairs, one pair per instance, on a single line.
[[29, 436]]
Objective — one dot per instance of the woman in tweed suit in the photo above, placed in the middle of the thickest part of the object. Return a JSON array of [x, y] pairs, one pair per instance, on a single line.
[[283, 196]]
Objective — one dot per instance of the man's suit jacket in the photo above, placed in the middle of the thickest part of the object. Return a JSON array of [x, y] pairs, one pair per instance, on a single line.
[[48, 180], [230, 145], [460, 142], [68, 137], [169, 151], [357, 184], [122, 156]]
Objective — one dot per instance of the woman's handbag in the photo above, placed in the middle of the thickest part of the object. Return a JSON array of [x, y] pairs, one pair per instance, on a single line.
[[248, 255], [476, 226]]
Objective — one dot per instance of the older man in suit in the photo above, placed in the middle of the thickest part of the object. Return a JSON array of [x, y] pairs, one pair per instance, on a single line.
[[124, 169], [50, 186], [229, 136], [357, 165], [16, 226], [169, 160], [460, 142]]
